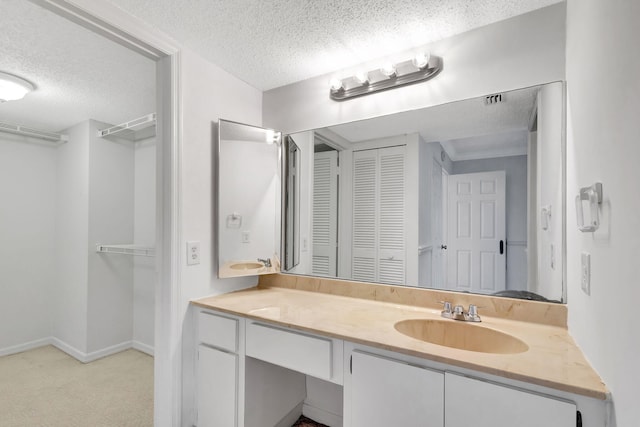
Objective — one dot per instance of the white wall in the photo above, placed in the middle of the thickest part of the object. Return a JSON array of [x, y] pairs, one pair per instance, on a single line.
[[602, 145], [144, 228], [523, 51], [27, 232], [250, 187], [515, 168], [549, 190], [110, 277], [69, 301], [208, 94]]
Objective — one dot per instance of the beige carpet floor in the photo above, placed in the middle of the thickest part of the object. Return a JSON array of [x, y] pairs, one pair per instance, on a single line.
[[47, 388]]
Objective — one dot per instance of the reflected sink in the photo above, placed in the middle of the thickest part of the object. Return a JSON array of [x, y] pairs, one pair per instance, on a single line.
[[461, 335], [246, 265]]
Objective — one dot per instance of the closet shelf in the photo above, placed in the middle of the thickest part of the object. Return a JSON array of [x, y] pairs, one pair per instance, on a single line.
[[134, 130], [54, 138], [135, 250]]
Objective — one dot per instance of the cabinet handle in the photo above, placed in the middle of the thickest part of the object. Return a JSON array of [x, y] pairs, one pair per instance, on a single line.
[[501, 247]]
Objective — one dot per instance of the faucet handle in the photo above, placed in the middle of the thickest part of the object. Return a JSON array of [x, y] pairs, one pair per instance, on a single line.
[[472, 315], [446, 306]]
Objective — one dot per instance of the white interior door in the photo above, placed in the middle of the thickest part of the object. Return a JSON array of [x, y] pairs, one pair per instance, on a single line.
[[476, 259], [324, 259], [378, 215], [391, 218]]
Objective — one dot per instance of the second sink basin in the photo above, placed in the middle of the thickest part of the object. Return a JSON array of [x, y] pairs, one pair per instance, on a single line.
[[246, 265], [461, 335]]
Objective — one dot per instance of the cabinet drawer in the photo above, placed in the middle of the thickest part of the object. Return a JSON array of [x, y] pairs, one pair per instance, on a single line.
[[218, 331], [303, 353]]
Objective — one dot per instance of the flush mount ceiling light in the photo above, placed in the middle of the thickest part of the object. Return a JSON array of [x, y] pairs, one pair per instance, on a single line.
[[420, 68], [13, 87]]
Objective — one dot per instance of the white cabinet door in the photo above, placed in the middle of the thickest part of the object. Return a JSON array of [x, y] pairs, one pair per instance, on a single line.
[[471, 402], [386, 393], [217, 388]]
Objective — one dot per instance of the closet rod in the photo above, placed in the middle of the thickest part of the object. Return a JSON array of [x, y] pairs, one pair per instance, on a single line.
[[55, 138], [126, 250], [131, 125]]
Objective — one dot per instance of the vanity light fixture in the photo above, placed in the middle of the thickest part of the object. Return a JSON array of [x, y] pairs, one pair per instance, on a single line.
[[335, 84], [361, 77], [272, 136], [13, 87], [388, 69], [421, 67]]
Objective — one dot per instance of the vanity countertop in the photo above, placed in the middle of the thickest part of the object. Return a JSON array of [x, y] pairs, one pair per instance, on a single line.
[[552, 360]]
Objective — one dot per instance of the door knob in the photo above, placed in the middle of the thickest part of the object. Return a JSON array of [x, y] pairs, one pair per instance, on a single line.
[[444, 247]]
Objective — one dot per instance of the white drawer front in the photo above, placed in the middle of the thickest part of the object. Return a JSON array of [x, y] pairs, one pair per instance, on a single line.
[[218, 331], [293, 350]]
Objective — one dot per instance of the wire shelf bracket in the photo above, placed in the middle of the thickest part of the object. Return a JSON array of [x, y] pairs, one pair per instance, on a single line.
[[51, 137], [130, 128], [134, 250]]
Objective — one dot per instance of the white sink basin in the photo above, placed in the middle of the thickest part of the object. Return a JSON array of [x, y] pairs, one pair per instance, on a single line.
[[461, 335]]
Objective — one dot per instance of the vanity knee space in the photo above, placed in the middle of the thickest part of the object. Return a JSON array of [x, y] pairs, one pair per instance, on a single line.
[[254, 374]]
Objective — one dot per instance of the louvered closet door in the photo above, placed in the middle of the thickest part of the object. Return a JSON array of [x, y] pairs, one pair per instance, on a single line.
[[378, 252], [325, 214], [365, 215], [391, 241]]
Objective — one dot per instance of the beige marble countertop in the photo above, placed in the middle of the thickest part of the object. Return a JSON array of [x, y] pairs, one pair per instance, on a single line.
[[552, 360]]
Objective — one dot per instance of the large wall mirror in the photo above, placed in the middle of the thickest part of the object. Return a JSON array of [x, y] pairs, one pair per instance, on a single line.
[[249, 204], [466, 196]]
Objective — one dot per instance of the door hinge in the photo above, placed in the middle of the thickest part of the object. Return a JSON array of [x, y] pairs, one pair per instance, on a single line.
[[578, 419], [351, 364]]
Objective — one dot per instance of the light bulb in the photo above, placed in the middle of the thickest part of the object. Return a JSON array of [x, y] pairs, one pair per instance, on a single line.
[[362, 77], [421, 60], [13, 87], [335, 84], [388, 69]]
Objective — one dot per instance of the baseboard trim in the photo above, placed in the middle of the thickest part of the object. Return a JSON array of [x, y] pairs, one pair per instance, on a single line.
[[145, 348], [7, 351], [321, 416], [90, 357], [74, 352], [291, 417]]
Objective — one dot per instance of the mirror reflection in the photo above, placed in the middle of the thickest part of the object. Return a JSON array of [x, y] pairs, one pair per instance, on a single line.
[[249, 188], [466, 196]]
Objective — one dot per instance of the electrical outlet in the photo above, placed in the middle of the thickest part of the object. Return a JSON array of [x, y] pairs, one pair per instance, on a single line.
[[246, 237], [585, 273], [305, 244], [193, 253]]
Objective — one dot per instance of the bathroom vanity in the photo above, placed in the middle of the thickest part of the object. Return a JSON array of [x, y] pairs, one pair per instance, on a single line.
[[256, 347]]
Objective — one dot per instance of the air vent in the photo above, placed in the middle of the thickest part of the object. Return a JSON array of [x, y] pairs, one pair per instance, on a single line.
[[496, 98]]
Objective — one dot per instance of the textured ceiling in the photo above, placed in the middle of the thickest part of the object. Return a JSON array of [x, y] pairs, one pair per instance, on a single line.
[[78, 75], [273, 43], [467, 129]]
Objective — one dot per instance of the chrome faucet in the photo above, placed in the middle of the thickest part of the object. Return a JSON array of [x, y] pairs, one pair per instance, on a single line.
[[458, 313], [266, 262]]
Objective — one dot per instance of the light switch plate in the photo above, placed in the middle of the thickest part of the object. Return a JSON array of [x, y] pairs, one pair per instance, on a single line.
[[246, 237], [585, 273], [193, 253]]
